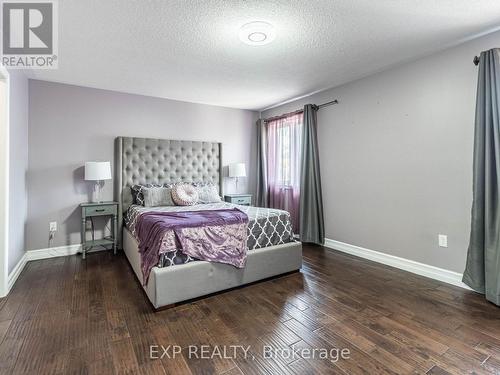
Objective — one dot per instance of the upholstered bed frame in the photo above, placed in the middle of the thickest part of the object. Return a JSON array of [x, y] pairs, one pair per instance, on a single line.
[[145, 160]]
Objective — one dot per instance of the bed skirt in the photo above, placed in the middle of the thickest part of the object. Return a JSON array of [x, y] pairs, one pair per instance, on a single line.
[[170, 285]]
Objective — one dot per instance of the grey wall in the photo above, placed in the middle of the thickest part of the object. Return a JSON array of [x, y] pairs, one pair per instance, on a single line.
[[18, 160], [70, 125], [396, 156]]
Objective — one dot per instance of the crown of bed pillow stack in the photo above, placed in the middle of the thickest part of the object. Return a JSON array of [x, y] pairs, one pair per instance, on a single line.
[[175, 194]]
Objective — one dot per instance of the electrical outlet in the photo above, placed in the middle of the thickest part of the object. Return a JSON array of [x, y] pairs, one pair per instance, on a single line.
[[443, 240], [53, 226]]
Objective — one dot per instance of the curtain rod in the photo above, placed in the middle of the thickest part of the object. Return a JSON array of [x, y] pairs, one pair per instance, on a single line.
[[476, 60], [300, 111]]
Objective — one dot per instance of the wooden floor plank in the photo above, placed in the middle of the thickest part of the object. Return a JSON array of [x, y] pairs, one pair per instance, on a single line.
[[66, 315]]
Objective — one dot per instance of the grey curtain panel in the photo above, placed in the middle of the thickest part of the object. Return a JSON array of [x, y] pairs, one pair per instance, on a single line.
[[482, 271], [312, 223], [261, 199]]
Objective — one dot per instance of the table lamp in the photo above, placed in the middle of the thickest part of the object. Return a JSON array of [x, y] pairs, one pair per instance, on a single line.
[[97, 171], [236, 171]]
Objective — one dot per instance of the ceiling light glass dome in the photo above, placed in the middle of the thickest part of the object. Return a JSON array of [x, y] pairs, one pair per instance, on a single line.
[[257, 33]]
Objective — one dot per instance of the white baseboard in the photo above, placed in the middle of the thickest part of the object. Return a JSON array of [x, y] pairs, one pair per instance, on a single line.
[[450, 277], [51, 252], [14, 274]]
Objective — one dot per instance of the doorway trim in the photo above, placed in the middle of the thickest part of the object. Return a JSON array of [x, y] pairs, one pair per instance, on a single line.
[[4, 180]]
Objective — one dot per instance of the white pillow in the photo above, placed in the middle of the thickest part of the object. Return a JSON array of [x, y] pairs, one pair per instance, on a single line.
[[208, 194], [184, 195], [157, 196]]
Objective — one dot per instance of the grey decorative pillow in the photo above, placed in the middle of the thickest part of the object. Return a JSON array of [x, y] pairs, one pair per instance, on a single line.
[[208, 193], [157, 196], [138, 195]]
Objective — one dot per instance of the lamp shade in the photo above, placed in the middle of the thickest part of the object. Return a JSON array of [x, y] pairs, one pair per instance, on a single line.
[[97, 170], [237, 170]]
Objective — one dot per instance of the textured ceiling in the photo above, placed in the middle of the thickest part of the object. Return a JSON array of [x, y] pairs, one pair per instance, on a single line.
[[189, 49]]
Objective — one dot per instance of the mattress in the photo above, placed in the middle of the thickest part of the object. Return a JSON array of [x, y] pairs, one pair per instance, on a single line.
[[266, 226]]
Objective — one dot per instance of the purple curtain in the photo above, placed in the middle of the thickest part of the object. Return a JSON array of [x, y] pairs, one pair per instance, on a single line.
[[284, 144]]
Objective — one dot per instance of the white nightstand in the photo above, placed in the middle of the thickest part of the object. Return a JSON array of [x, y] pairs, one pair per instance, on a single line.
[[243, 199]]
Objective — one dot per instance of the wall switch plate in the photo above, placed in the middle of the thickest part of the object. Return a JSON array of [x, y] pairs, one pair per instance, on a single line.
[[53, 226], [443, 240]]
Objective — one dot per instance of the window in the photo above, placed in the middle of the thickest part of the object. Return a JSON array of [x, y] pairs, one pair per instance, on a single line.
[[284, 147]]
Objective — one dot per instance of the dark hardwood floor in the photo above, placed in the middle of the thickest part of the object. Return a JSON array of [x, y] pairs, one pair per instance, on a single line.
[[68, 316]]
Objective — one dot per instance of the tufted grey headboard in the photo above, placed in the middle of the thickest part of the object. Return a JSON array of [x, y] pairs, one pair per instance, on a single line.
[[158, 161]]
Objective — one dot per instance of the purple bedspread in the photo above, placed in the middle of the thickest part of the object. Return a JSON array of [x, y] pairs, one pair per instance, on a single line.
[[212, 235]]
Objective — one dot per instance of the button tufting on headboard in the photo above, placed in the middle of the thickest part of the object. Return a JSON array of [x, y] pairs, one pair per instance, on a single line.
[[157, 161]]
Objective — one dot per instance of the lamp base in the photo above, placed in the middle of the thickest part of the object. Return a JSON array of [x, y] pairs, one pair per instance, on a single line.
[[96, 194]]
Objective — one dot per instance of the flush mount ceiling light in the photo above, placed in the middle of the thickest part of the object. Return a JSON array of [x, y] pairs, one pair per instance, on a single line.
[[257, 33]]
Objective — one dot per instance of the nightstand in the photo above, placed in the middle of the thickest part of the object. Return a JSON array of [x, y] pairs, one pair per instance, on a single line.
[[243, 199], [90, 210]]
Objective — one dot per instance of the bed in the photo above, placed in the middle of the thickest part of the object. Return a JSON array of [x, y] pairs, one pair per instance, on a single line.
[[272, 249]]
